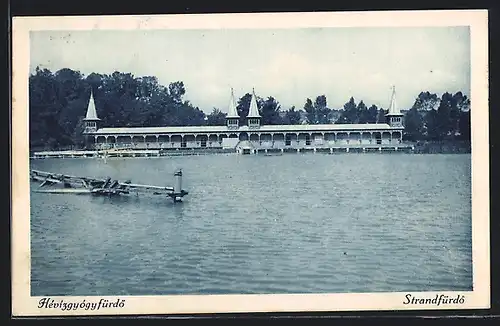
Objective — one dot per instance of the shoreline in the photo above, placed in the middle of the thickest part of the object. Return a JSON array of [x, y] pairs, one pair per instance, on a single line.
[[443, 147], [416, 148]]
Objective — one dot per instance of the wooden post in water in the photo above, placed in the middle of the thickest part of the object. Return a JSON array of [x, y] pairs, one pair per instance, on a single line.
[[177, 195], [178, 181]]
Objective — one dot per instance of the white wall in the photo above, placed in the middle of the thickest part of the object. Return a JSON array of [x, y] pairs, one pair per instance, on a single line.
[[230, 142]]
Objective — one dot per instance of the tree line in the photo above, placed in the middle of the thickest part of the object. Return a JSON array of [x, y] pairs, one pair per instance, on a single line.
[[58, 103]]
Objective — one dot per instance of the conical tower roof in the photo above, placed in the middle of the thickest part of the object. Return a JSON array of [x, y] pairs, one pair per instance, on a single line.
[[232, 112], [393, 108], [91, 112], [253, 111]]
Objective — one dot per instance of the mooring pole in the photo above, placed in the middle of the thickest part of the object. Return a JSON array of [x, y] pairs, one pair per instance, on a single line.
[[178, 182], [178, 186]]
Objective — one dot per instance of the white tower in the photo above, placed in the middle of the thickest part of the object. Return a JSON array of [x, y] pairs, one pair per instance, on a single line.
[[394, 116], [232, 118], [253, 116], [91, 118]]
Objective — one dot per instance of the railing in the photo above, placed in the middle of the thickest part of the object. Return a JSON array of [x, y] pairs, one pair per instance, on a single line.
[[157, 145], [257, 144]]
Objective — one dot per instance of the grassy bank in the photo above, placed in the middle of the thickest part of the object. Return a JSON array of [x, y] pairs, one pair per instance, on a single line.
[[442, 147]]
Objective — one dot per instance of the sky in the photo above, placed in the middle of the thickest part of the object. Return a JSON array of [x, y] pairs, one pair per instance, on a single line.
[[290, 64]]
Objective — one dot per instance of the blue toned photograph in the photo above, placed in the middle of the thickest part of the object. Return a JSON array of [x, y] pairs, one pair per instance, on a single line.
[[250, 161]]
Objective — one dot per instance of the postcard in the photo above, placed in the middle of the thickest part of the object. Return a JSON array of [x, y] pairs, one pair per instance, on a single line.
[[251, 162]]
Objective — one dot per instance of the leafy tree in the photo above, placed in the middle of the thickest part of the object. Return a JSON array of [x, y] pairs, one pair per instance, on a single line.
[[362, 112], [191, 115], [462, 101], [269, 111], [445, 125], [426, 101], [350, 113], [216, 118], [55, 105], [77, 135], [43, 106], [414, 125], [321, 110], [432, 125], [381, 118], [425, 104], [372, 114], [459, 103], [243, 107], [58, 103], [310, 111], [292, 117], [464, 125], [177, 91]]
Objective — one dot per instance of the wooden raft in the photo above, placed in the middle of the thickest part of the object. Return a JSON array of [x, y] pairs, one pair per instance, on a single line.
[[103, 186]]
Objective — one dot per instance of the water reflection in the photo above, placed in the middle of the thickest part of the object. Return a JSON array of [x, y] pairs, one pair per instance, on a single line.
[[136, 200], [178, 209]]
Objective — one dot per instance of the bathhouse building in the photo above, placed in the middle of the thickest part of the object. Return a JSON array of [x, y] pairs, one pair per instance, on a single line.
[[252, 137]]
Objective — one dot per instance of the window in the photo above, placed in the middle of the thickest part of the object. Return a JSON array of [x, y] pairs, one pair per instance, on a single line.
[[253, 121]]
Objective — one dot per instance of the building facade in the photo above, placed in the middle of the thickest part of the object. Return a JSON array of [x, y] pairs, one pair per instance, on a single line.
[[249, 138]]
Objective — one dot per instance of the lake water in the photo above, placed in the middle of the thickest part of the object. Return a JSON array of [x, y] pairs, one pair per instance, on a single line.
[[296, 223]]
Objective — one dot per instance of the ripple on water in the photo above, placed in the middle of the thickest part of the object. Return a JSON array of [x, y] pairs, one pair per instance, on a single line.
[[302, 224]]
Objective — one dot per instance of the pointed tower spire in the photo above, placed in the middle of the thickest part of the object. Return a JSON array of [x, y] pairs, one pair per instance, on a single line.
[[91, 112], [253, 111], [253, 117], [91, 118], [393, 108], [394, 116], [232, 112], [232, 118]]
